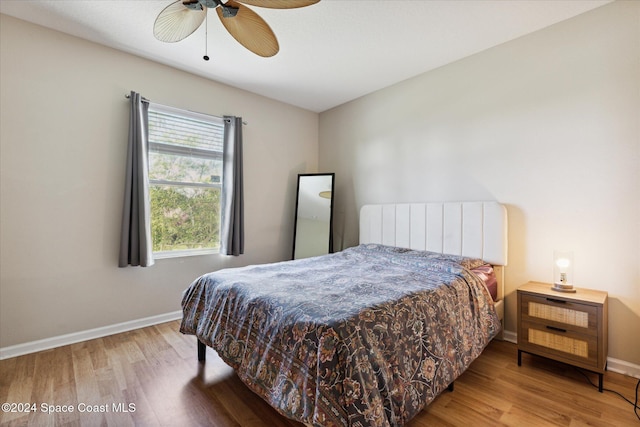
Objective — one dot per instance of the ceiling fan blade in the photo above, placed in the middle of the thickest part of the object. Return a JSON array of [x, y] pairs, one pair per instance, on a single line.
[[249, 29], [279, 4], [176, 22]]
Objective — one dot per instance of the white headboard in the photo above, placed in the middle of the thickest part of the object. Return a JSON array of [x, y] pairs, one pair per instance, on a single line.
[[471, 229]]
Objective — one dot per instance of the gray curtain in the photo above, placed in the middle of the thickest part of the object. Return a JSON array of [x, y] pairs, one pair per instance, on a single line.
[[232, 208], [135, 239]]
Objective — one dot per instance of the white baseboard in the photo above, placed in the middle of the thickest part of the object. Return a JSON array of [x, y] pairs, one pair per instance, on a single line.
[[623, 367], [613, 365], [53, 342], [511, 337]]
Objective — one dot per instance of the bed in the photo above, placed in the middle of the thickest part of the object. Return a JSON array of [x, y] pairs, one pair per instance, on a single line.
[[367, 336]]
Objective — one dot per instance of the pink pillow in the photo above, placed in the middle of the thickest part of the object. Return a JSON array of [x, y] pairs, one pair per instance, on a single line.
[[488, 276]]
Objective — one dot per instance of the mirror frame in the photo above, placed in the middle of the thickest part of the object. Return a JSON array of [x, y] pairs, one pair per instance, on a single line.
[[295, 219]]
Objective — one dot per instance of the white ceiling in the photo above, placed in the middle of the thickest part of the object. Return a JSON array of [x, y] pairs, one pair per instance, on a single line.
[[330, 52]]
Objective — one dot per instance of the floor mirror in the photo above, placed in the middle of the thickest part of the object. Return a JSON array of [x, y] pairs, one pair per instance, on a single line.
[[312, 233]]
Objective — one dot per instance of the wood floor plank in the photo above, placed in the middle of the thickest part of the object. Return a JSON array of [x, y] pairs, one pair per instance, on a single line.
[[156, 371], [16, 378]]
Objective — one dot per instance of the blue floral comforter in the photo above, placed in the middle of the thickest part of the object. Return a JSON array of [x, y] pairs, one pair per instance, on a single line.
[[364, 337]]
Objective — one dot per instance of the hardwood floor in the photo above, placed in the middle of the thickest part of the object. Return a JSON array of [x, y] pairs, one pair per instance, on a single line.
[[151, 377]]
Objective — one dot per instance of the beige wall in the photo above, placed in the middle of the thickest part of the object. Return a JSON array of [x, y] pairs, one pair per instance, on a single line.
[[548, 124], [63, 151]]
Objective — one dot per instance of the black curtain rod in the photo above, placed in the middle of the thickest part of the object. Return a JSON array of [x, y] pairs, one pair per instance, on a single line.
[[147, 101], [143, 99]]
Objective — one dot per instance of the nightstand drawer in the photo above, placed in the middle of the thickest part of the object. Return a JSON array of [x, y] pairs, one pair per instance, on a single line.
[[567, 315], [558, 342]]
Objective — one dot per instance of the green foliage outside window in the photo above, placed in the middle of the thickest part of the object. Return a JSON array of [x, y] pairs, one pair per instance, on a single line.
[[184, 218]]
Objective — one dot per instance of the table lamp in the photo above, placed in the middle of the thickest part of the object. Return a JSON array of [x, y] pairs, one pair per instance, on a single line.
[[563, 271]]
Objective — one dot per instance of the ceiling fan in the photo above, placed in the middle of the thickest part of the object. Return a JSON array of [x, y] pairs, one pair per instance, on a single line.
[[181, 18]]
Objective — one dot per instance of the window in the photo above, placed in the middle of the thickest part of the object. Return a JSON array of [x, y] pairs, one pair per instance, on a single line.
[[185, 177]]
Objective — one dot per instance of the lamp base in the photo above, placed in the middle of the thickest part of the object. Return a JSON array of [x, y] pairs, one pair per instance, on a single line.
[[562, 287]]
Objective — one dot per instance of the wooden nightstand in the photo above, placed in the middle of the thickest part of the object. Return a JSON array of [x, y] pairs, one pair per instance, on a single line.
[[567, 327]]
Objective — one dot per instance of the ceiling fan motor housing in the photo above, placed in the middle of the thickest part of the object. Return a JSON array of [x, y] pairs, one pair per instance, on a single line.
[[227, 11], [200, 4]]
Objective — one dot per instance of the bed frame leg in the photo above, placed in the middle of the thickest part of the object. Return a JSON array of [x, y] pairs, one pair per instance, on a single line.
[[202, 351], [450, 388]]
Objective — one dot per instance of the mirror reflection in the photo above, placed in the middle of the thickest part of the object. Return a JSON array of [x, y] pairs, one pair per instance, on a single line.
[[312, 234]]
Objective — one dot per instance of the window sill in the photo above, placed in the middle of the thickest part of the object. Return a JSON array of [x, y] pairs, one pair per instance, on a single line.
[[187, 253]]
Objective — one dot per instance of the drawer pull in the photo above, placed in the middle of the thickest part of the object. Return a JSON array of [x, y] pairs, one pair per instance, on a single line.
[[559, 301], [553, 328]]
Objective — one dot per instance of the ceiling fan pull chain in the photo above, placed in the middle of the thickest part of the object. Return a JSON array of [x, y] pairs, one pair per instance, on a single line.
[[206, 37]]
